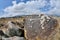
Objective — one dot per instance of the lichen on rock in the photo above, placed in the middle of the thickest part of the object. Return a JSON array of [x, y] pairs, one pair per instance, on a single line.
[[41, 26]]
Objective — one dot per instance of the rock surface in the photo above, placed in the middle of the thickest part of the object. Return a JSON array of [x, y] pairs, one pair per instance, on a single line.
[[11, 28], [30, 27], [40, 27], [14, 38]]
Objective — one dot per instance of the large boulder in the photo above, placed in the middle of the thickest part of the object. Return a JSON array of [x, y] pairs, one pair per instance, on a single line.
[[11, 29], [39, 27]]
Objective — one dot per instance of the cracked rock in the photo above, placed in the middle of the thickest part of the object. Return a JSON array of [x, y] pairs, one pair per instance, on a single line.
[[43, 27]]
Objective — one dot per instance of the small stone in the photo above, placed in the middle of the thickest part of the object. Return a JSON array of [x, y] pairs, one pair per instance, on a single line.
[[42, 27], [47, 20]]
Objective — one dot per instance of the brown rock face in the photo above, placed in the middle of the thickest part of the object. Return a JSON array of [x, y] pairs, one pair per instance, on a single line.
[[39, 27]]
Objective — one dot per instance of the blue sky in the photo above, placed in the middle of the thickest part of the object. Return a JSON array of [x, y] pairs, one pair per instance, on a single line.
[[6, 3], [27, 7]]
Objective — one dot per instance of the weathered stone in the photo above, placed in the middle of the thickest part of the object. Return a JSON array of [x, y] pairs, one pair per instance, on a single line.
[[39, 27], [12, 29], [14, 38]]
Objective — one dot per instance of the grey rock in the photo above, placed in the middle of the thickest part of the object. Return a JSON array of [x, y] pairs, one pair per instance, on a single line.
[[14, 38], [38, 28]]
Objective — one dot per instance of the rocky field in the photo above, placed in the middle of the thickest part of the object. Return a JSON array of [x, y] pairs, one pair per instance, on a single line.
[[30, 27]]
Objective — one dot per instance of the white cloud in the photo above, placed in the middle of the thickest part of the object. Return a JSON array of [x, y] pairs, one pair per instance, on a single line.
[[32, 7], [14, 2], [56, 10]]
